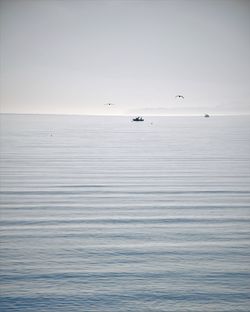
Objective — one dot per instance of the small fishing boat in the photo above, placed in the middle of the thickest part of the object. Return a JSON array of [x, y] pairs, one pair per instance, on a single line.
[[138, 119]]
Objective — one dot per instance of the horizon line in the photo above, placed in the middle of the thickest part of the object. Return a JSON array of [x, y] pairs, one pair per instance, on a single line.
[[128, 115]]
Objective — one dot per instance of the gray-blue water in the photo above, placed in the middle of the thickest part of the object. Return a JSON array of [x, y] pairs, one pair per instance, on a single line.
[[101, 214]]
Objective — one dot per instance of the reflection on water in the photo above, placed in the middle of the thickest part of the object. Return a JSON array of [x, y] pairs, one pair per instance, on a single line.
[[103, 214]]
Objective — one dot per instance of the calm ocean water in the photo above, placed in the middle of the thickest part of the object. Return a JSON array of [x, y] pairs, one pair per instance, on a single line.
[[101, 214]]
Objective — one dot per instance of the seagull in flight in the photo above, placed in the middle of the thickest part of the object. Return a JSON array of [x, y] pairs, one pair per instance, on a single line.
[[179, 96]]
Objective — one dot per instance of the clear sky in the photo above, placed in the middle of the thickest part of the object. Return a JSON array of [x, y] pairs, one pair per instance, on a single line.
[[73, 56]]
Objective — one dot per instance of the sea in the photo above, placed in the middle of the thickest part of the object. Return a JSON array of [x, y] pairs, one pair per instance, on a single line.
[[102, 214]]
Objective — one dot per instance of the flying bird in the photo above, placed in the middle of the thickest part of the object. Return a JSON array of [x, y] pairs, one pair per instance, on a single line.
[[179, 96]]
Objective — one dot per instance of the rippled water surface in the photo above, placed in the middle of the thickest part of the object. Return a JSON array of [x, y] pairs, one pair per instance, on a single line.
[[101, 214]]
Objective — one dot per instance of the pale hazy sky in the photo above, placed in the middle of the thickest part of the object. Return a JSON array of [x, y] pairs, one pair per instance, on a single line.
[[72, 56]]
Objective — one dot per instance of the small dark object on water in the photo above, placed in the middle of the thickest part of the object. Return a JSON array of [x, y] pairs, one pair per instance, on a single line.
[[138, 119], [206, 115]]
